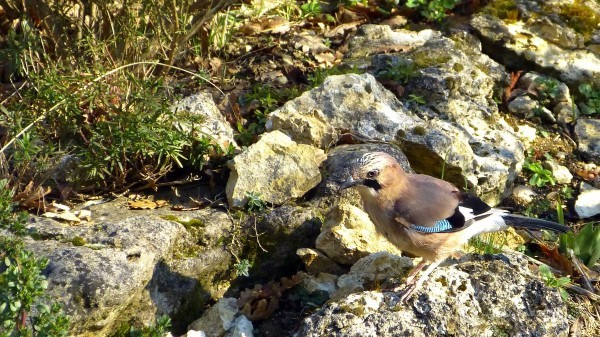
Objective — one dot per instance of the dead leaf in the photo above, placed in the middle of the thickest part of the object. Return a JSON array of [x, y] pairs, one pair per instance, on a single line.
[[145, 204], [260, 302], [326, 58], [32, 197], [66, 216], [310, 42]]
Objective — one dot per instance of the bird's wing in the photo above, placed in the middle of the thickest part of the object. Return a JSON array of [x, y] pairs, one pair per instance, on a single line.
[[425, 201]]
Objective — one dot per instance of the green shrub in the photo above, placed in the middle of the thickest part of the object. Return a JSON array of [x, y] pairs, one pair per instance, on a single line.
[[25, 309]]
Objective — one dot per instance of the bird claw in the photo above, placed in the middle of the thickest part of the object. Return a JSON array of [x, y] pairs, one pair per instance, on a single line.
[[407, 290]]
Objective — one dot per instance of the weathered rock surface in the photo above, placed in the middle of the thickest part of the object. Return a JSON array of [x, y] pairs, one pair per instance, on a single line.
[[372, 269], [542, 38], [213, 123], [281, 232], [316, 262], [275, 167], [588, 201], [587, 132], [478, 296], [104, 282], [133, 265], [348, 235], [560, 172], [218, 318], [458, 130], [524, 193]]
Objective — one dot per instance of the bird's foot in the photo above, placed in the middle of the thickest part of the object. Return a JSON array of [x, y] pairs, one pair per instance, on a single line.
[[407, 293], [406, 290]]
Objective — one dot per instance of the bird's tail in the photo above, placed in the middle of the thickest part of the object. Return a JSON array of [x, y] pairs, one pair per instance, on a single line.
[[514, 220]]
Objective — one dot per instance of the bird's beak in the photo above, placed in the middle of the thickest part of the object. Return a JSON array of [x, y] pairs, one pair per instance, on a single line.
[[349, 182]]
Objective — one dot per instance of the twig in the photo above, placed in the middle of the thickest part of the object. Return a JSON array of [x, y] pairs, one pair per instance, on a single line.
[[257, 240]]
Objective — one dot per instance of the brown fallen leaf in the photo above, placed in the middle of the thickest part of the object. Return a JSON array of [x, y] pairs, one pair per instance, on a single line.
[[145, 204]]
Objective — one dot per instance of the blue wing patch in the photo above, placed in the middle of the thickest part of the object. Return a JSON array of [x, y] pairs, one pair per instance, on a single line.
[[440, 226]]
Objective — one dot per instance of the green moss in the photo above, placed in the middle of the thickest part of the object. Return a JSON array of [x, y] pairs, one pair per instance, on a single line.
[[355, 310], [503, 9], [578, 16], [426, 58], [196, 229], [458, 67], [419, 130], [78, 241]]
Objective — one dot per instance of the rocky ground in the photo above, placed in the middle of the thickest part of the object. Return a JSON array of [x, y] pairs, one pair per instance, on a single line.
[[474, 102]]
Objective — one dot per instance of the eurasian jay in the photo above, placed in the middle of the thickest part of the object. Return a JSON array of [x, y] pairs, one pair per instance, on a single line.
[[425, 216]]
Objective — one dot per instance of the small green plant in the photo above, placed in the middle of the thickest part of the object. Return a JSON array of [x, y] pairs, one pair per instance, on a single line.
[[540, 176], [591, 106], [547, 88], [585, 244], [318, 76], [401, 72], [416, 99], [242, 267], [163, 323], [311, 8], [537, 207], [432, 10], [266, 99], [25, 309], [555, 282], [255, 203]]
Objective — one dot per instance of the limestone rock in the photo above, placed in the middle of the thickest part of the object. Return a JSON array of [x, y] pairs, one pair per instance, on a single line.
[[587, 132], [276, 167], [560, 172], [516, 44], [349, 234], [282, 231], [213, 125], [217, 319], [345, 102], [371, 269], [588, 201], [317, 262], [478, 296], [242, 327], [321, 282], [305, 127], [524, 193], [134, 265], [522, 105], [109, 279]]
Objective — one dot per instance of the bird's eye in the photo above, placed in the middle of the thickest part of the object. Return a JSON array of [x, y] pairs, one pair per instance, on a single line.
[[372, 174]]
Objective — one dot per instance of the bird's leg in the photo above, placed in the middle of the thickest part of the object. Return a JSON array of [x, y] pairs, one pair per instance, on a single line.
[[410, 279], [407, 294]]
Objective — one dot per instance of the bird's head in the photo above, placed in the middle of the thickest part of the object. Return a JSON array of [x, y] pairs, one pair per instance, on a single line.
[[372, 172]]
